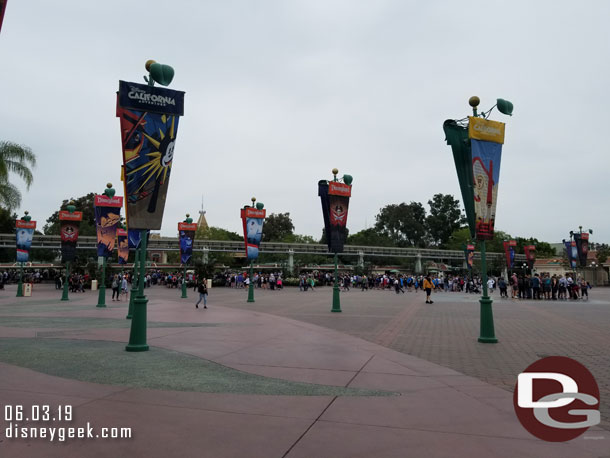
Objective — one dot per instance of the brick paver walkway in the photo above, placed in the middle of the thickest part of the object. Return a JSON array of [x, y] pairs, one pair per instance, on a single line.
[[446, 332]]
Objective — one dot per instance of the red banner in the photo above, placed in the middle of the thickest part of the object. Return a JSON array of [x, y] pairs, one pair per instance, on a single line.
[[21, 224], [67, 216], [105, 201], [339, 189]]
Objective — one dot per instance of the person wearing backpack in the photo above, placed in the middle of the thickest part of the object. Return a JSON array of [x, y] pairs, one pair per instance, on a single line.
[[203, 294]]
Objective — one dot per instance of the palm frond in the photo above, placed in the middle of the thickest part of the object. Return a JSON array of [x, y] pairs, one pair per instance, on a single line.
[[10, 197]]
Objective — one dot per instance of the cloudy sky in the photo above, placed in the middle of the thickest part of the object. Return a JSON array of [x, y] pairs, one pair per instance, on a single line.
[[280, 92]]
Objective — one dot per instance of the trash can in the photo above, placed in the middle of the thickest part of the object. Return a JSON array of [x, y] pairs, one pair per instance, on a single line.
[[27, 290], [209, 281], [93, 285]]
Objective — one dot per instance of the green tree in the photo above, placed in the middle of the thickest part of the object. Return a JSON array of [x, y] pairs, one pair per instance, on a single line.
[[404, 224], [217, 233], [543, 249], [603, 251], [445, 217], [278, 227], [15, 159], [83, 204], [369, 237]]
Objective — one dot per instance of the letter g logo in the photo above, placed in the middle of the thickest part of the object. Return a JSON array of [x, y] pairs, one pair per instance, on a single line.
[[562, 387]]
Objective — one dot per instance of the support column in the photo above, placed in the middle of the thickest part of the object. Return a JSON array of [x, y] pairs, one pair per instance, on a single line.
[[101, 298], [291, 261], [64, 296], [487, 333], [336, 294], [418, 266], [137, 335]]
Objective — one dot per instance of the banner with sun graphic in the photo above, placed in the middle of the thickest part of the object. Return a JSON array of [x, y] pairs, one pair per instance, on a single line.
[[253, 219], [335, 202], [107, 218], [70, 223], [486, 139], [149, 118], [123, 244]]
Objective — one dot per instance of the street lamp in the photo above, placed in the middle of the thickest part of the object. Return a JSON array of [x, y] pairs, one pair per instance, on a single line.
[[107, 218], [186, 232], [70, 221], [253, 218], [594, 267], [25, 231], [334, 196], [476, 143]]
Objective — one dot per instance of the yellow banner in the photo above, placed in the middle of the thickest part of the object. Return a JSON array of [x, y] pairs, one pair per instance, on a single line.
[[482, 129]]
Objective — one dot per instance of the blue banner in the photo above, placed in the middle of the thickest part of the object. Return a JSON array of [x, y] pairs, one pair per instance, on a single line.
[[24, 242]]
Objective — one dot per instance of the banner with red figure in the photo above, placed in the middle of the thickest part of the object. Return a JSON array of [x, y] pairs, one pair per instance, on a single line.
[[253, 219], [486, 139], [530, 255], [70, 224], [469, 256], [582, 247], [335, 203]]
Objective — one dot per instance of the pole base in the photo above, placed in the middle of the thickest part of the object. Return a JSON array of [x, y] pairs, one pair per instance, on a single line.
[[336, 300], [19, 289], [143, 347], [101, 298], [184, 296], [487, 333]]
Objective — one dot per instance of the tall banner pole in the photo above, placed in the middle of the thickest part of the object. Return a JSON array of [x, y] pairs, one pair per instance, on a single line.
[[134, 284], [477, 151], [107, 218], [186, 235], [70, 221], [24, 232], [149, 118], [137, 333], [253, 218], [334, 196]]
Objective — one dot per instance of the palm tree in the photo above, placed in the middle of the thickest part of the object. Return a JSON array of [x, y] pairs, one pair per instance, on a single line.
[[16, 159]]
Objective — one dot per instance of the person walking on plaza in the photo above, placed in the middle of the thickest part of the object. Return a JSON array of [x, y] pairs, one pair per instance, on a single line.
[[203, 294], [427, 286], [115, 287]]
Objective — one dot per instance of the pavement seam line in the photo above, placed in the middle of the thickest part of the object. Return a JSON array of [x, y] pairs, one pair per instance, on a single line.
[[309, 428], [359, 370]]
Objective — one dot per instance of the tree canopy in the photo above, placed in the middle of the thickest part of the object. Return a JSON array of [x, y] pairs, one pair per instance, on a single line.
[[404, 224], [278, 227], [83, 204], [17, 159], [445, 217]]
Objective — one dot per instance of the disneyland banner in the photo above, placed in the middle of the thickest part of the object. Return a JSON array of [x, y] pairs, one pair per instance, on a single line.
[[187, 237], [123, 243], [70, 224], [335, 203], [582, 247], [149, 118], [530, 255], [107, 218], [253, 219], [509, 251], [134, 237], [25, 233], [469, 256], [487, 138]]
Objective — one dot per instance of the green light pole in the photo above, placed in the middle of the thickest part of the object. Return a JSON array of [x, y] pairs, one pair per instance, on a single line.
[[26, 219], [258, 206], [188, 220], [64, 296], [457, 136], [137, 335], [134, 284], [101, 298]]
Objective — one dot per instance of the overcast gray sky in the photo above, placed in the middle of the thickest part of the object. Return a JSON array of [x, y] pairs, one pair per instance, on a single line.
[[280, 92]]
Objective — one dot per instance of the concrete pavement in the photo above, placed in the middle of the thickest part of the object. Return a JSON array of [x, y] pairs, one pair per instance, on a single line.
[[371, 401]]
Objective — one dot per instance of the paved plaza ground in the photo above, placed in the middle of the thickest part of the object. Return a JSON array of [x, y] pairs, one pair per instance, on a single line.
[[283, 377]]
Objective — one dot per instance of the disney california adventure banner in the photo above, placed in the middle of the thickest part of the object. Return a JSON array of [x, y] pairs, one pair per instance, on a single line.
[[253, 219], [149, 118], [486, 139]]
